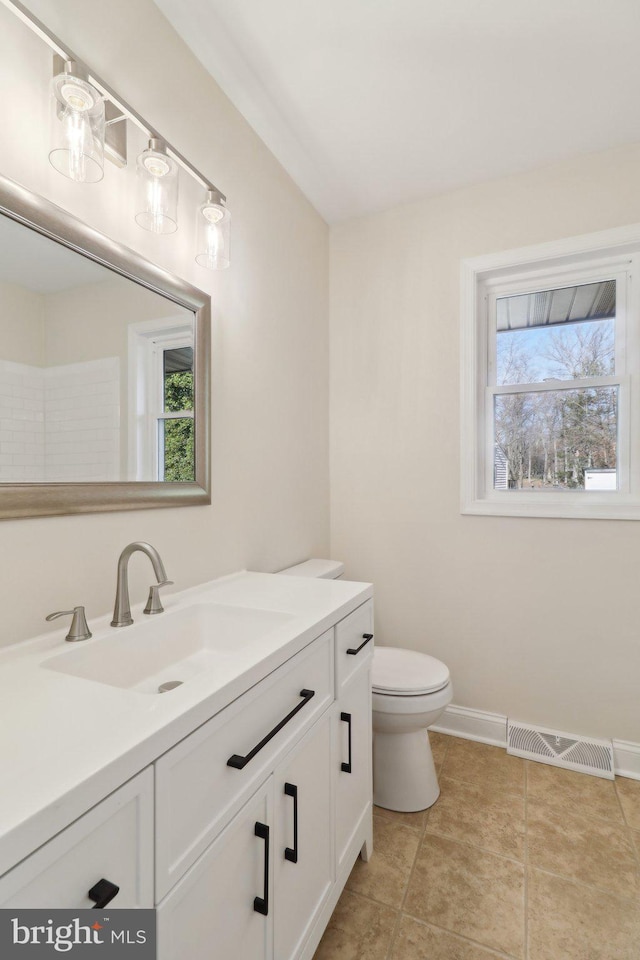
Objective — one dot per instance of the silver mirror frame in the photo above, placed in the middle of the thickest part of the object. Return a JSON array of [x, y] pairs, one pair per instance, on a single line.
[[54, 499]]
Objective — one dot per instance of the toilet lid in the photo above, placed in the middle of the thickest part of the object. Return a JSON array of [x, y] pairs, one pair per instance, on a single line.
[[406, 672]]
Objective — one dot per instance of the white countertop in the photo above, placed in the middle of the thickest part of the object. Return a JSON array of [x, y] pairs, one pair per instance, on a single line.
[[66, 742]]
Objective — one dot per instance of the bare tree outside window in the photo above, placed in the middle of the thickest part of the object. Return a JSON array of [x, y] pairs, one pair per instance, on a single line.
[[552, 439]]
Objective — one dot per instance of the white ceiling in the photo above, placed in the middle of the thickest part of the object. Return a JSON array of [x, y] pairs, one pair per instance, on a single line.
[[370, 103]]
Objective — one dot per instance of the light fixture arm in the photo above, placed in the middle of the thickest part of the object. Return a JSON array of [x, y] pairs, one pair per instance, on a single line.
[[74, 69], [41, 30], [214, 196]]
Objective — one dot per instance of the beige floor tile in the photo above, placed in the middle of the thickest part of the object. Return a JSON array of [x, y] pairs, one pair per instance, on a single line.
[[568, 921], [590, 796], [481, 815], [439, 744], [358, 930], [384, 877], [416, 820], [480, 763], [629, 794], [595, 852], [469, 892], [421, 941]]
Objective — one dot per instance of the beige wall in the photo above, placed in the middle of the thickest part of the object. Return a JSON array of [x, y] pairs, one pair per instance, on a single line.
[[537, 619], [21, 319], [91, 321], [270, 338]]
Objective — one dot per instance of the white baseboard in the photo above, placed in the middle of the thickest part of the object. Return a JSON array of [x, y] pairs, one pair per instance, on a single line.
[[626, 759], [473, 725], [492, 728]]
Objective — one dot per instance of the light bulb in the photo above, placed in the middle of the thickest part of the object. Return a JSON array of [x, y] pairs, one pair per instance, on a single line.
[[77, 132], [78, 121], [212, 213], [156, 166], [212, 232], [79, 98], [157, 191]]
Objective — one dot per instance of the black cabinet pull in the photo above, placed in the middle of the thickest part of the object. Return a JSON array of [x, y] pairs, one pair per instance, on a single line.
[[366, 637], [240, 762], [102, 893], [346, 767], [291, 853], [261, 904]]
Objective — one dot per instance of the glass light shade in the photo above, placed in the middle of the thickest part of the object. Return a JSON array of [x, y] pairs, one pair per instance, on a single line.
[[77, 132], [157, 190], [212, 233]]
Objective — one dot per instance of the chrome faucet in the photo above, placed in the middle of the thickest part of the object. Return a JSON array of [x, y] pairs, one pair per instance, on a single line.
[[122, 610]]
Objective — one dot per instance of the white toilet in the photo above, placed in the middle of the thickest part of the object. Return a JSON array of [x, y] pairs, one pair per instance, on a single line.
[[409, 692]]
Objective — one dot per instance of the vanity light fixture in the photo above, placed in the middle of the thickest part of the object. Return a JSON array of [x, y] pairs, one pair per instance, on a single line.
[[157, 189], [78, 124], [212, 232], [90, 124]]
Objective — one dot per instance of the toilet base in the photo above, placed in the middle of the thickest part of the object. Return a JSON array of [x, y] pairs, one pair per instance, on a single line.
[[404, 775]]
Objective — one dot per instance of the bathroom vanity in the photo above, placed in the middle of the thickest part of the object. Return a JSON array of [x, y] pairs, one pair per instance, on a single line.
[[236, 802]]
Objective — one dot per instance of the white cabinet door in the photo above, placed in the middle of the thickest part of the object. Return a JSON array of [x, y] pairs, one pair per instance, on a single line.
[[112, 842], [303, 829], [352, 762], [199, 790], [223, 907]]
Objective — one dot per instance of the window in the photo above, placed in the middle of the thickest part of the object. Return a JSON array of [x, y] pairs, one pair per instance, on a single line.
[[550, 361], [162, 396], [175, 452]]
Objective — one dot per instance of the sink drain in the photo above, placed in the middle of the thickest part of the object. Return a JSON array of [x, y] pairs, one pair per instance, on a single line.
[[169, 685]]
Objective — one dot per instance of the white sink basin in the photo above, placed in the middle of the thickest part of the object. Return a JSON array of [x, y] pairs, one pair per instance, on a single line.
[[172, 646]]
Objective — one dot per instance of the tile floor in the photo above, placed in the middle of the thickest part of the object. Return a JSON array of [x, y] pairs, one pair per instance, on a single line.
[[516, 860]]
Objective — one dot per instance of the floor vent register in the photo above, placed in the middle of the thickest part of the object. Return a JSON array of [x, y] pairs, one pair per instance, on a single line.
[[560, 749]]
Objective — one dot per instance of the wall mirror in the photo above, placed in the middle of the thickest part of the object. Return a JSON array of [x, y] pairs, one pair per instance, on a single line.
[[104, 370]]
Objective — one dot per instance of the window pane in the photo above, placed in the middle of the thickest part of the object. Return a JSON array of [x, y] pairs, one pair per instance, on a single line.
[[178, 379], [176, 441], [556, 440], [563, 334]]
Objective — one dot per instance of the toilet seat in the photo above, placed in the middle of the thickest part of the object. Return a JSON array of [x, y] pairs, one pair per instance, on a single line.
[[406, 673]]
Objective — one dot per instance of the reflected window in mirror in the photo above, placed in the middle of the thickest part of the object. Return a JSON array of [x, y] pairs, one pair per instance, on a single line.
[[162, 395], [175, 424]]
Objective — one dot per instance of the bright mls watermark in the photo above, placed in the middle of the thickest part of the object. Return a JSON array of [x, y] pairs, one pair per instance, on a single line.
[[79, 934]]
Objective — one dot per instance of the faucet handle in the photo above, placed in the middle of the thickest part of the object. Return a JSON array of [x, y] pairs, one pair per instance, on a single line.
[[79, 629], [153, 601]]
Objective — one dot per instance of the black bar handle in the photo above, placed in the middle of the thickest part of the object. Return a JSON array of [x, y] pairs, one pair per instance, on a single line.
[[240, 762], [346, 767], [102, 893], [261, 904], [366, 637], [291, 853]]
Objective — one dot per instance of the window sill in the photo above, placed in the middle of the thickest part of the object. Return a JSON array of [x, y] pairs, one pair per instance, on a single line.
[[623, 508]]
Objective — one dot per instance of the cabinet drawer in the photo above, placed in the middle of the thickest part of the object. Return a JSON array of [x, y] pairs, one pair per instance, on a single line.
[[351, 636], [113, 841], [197, 791]]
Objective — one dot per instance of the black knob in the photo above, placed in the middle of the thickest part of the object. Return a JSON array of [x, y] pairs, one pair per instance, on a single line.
[[103, 893]]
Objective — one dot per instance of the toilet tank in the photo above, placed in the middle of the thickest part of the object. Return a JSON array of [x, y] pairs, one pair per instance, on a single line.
[[325, 569]]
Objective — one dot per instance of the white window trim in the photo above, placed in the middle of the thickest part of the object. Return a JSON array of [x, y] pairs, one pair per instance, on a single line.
[[581, 256]]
